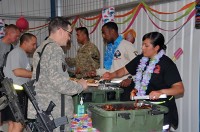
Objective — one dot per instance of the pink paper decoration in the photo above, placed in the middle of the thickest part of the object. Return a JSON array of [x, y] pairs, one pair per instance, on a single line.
[[177, 54]]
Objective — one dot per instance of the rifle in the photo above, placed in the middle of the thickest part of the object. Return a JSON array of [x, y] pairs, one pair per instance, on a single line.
[[11, 99], [44, 121]]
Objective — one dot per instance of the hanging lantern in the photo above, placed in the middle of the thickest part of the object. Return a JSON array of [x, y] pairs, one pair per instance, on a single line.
[[22, 24]]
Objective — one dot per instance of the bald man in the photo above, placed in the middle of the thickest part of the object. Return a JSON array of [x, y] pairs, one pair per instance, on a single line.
[[12, 34]]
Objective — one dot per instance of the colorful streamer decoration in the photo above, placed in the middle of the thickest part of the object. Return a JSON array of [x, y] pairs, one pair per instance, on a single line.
[[141, 6], [188, 9], [96, 25], [189, 17], [108, 14]]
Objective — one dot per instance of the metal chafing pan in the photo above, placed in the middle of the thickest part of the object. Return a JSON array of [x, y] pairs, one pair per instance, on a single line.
[[110, 83]]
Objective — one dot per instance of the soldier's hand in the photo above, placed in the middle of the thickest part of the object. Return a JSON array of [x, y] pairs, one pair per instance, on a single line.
[[83, 83], [91, 73], [125, 82]]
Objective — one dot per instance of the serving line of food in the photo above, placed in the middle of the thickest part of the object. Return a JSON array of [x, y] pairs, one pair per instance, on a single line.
[[113, 84], [102, 103]]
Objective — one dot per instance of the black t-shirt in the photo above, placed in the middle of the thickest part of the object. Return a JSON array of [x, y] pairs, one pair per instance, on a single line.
[[164, 76]]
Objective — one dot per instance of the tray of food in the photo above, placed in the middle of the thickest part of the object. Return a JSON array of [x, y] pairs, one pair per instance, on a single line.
[[90, 82], [124, 107], [129, 116]]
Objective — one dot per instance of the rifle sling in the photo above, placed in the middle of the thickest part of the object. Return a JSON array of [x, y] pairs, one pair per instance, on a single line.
[[62, 128], [38, 66]]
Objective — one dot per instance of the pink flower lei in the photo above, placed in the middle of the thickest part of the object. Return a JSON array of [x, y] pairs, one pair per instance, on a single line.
[[142, 78]]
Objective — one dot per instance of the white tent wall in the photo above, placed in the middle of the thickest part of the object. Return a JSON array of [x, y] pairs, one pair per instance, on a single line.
[[25, 7], [188, 63], [78, 6], [35, 11]]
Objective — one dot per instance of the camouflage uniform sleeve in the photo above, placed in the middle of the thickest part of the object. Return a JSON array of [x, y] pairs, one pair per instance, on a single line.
[[95, 56], [87, 59], [71, 62], [57, 76], [35, 61]]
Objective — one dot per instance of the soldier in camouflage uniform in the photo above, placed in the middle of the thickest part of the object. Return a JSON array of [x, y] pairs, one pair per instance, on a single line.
[[88, 57], [54, 79]]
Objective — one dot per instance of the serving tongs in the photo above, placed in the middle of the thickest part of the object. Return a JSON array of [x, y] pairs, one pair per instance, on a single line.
[[146, 97], [110, 83]]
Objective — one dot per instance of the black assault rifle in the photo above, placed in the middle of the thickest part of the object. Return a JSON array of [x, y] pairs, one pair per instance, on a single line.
[[10, 98], [44, 121]]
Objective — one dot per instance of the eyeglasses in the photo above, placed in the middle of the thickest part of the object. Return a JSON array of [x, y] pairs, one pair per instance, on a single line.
[[70, 33]]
